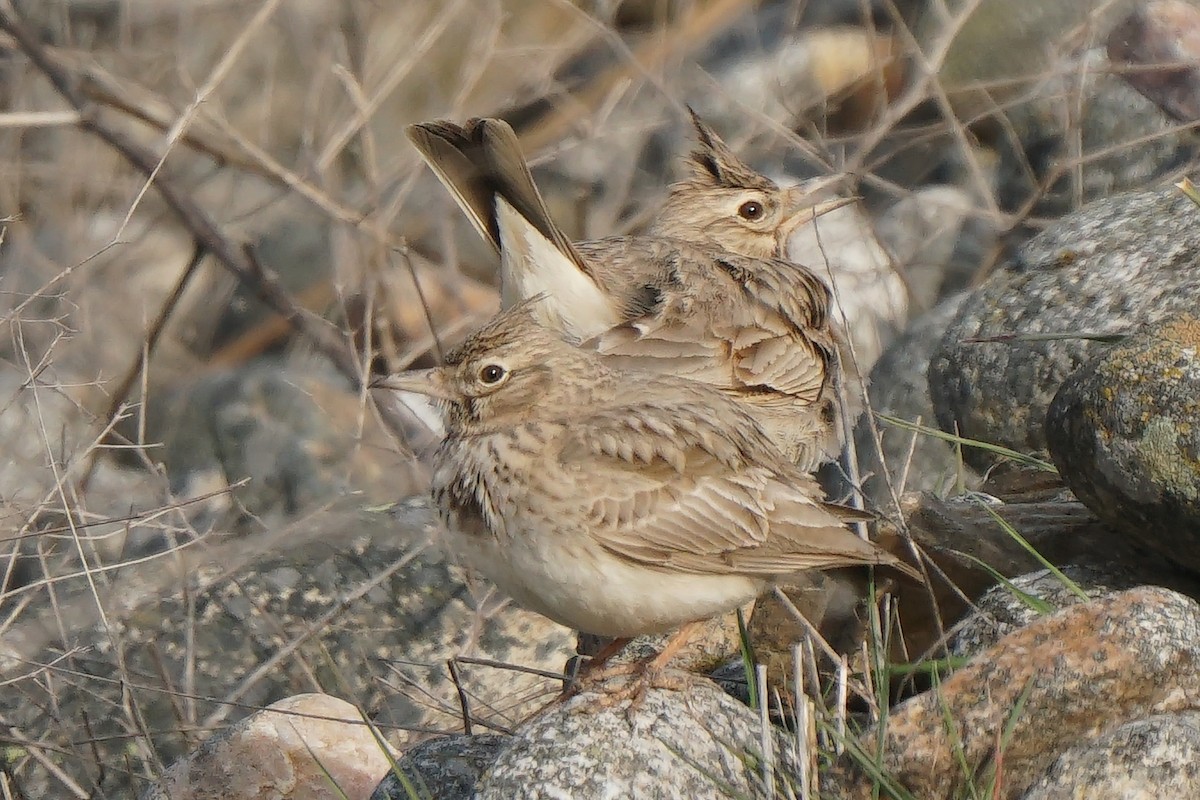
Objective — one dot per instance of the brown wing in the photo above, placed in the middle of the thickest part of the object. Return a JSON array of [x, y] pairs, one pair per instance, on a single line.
[[700, 489], [733, 322]]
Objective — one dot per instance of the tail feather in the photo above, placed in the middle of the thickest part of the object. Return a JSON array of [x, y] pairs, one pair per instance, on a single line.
[[457, 156], [480, 162]]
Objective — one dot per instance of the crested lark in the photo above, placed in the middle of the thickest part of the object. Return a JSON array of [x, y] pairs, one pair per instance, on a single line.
[[702, 297], [614, 502]]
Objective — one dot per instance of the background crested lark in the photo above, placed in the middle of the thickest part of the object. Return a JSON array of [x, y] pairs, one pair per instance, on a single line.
[[611, 502], [728, 204], [702, 297]]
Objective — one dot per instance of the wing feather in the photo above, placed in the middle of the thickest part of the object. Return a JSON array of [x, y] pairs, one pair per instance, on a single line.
[[674, 501], [735, 323]]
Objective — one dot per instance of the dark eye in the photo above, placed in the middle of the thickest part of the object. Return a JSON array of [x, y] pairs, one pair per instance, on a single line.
[[491, 373], [751, 210]]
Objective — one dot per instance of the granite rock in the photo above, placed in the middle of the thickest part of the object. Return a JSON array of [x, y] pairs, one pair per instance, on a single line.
[[697, 743], [1115, 264], [306, 747], [349, 599], [451, 765], [1148, 759], [1088, 669], [899, 387], [1001, 612]]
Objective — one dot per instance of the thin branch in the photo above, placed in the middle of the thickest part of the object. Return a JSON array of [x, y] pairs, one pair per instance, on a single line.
[[135, 369], [208, 235]]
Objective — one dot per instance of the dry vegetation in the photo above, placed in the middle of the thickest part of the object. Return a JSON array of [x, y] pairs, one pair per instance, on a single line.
[[189, 186]]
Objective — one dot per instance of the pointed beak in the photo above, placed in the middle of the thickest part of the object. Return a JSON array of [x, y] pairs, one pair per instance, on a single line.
[[429, 382], [803, 210]]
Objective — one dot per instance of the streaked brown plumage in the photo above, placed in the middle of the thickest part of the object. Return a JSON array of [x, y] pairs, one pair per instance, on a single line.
[[614, 502], [701, 297]]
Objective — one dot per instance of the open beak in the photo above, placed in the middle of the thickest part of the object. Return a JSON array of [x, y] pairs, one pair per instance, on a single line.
[[802, 209], [429, 382]]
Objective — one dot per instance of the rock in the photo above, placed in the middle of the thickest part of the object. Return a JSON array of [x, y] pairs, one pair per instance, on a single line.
[[1156, 49], [936, 242], [1001, 612], [1087, 669], [447, 768], [1124, 435], [1148, 759], [696, 743], [898, 386], [306, 747], [1117, 263], [1085, 134], [712, 642], [869, 295]]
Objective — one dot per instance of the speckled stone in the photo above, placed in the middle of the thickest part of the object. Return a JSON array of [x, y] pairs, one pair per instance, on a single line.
[[699, 744], [307, 747], [447, 768], [1124, 432], [1000, 612], [1088, 669], [1116, 264], [1150, 759]]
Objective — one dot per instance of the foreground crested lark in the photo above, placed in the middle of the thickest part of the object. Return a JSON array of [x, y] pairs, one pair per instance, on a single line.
[[702, 296], [614, 502]]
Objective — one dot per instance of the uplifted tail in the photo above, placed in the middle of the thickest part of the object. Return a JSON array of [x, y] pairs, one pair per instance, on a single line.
[[481, 163]]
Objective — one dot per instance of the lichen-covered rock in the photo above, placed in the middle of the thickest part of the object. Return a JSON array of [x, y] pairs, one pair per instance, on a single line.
[[307, 747], [1116, 264], [1087, 669], [697, 743], [1124, 431], [1149, 759]]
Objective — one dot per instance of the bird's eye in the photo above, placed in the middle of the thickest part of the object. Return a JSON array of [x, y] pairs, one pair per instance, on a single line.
[[491, 373], [751, 210]]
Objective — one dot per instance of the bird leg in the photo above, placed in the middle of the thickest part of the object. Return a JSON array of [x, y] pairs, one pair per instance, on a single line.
[[574, 677], [607, 652], [644, 675]]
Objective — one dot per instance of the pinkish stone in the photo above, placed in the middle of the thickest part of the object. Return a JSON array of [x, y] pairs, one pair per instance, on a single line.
[[1089, 669], [283, 751]]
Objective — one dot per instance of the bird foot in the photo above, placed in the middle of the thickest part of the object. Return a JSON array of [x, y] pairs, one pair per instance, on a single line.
[[636, 680], [588, 678]]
